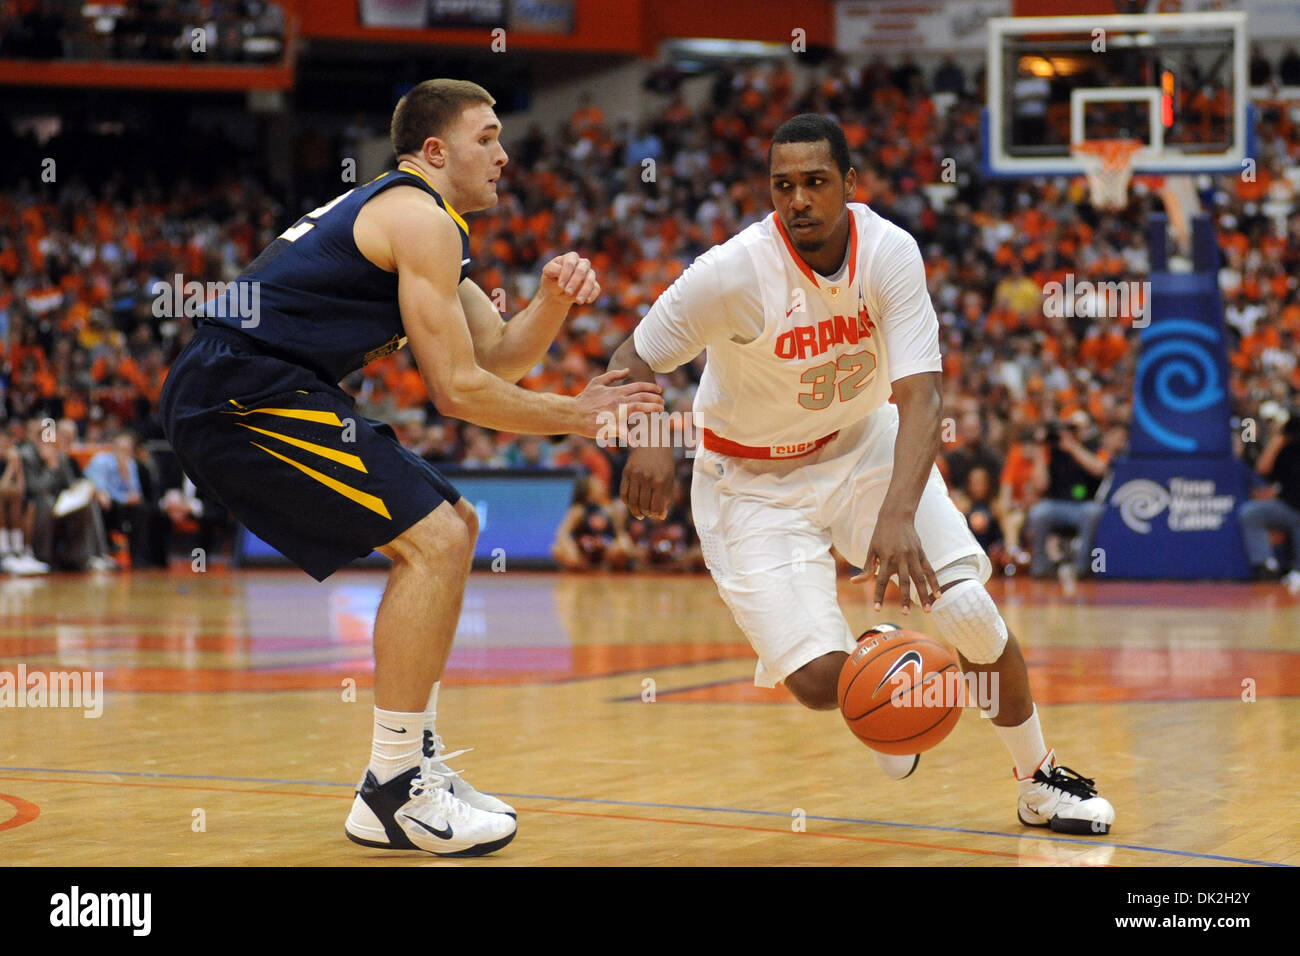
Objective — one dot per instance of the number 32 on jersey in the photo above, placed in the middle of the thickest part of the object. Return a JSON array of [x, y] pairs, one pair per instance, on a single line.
[[827, 384]]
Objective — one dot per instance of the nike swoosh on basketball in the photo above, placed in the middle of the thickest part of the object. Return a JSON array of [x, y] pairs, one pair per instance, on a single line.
[[910, 657], [393, 729], [440, 834]]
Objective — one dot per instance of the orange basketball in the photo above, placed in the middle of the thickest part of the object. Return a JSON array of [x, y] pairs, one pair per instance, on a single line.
[[900, 692]]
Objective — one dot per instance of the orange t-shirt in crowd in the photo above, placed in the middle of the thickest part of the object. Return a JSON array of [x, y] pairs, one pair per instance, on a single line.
[[1105, 350], [1017, 472]]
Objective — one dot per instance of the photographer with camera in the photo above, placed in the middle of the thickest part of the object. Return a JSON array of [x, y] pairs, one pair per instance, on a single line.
[[1277, 506], [1067, 474]]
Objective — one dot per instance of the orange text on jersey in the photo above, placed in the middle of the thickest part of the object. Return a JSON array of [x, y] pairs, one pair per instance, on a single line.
[[805, 340]]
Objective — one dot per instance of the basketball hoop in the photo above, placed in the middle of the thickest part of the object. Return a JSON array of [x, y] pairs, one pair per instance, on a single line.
[[1108, 164]]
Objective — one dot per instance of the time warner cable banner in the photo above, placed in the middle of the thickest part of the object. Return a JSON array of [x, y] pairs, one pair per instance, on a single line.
[[1171, 503]]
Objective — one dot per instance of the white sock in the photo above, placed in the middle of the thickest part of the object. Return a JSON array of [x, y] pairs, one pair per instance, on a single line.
[[4, 540], [395, 747], [431, 711], [16, 540], [1025, 741]]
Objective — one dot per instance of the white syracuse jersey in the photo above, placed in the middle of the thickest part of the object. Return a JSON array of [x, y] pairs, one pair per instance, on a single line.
[[793, 357]]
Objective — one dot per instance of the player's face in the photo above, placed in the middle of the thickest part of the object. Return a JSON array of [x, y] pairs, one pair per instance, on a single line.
[[477, 157], [809, 193]]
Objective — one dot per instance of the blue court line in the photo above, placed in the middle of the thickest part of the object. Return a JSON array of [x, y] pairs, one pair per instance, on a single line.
[[636, 698], [680, 806]]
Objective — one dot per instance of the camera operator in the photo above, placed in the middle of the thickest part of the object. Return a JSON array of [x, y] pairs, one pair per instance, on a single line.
[[1278, 507], [1067, 474]]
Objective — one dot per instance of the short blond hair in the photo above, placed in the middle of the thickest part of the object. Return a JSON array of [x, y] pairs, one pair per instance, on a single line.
[[429, 109]]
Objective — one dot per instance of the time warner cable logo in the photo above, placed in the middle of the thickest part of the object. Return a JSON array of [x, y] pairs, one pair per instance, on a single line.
[[77, 909], [1193, 504]]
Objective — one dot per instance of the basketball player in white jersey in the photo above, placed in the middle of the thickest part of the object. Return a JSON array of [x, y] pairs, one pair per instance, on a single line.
[[811, 318]]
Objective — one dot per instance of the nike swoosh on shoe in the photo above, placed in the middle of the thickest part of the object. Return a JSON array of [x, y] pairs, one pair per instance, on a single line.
[[440, 834]]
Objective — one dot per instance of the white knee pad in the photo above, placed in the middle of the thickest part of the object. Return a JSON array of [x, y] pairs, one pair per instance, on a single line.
[[967, 567], [968, 619]]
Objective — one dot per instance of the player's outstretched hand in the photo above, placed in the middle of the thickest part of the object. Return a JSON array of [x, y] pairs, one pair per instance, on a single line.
[[570, 279], [895, 547], [600, 401], [648, 477]]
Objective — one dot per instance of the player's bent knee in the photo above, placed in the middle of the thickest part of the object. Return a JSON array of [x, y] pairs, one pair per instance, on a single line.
[[816, 684], [968, 619], [469, 515], [438, 539]]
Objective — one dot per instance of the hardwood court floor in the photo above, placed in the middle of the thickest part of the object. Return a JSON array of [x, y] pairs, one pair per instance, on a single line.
[[228, 736]]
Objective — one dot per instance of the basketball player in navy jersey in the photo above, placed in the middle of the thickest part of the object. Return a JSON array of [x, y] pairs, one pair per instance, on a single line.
[[254, 413]]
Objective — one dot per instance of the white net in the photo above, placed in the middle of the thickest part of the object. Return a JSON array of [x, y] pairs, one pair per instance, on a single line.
[[1108, 164]]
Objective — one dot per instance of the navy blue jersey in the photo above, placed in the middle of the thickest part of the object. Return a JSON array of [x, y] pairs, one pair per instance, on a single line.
[[313, 299]]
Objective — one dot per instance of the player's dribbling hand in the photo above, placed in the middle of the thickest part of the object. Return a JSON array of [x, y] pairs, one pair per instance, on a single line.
[[570, 279], [648, 476], [601, 400], [895, 548]]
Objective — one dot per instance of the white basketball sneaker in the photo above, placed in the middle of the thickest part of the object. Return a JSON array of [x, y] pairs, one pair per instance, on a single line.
[[24, 563], [896, 767], [1062, 799], [417, 811], [460, 787]]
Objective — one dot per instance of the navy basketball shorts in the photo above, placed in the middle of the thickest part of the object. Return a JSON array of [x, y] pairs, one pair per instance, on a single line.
[[288, 454]]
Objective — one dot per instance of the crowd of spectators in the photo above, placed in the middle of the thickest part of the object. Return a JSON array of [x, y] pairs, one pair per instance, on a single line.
[[1038, 403], [150, 30]]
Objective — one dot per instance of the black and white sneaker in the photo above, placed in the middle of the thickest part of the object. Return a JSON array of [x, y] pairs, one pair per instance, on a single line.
[[417, 810], [1062, 799]]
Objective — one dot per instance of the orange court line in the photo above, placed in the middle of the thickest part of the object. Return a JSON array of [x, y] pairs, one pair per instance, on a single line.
[[1062, 675], [26, 811], [586, 662]]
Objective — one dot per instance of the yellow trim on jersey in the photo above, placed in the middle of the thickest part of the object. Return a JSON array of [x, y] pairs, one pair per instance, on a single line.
[[342, 457], [360, 497], [302, 414], [455, 215], [445, 205]]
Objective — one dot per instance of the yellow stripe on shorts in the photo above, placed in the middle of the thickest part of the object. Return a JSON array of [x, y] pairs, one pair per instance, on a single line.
[[342, 457], [302, 414], [360, 497]]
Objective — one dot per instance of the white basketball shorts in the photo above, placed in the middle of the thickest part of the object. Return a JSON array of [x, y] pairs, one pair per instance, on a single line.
[[766, 529]]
